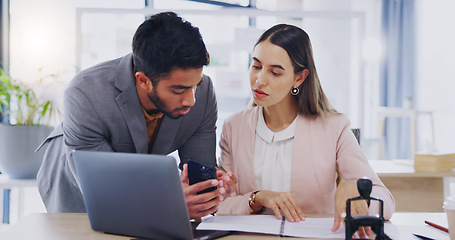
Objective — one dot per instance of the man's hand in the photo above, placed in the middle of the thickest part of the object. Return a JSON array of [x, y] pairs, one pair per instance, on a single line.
[[346, 190], [227, 182], [283, 201], [202, 204]]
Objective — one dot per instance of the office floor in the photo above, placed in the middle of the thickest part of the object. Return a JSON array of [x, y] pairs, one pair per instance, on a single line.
[[32, 203]]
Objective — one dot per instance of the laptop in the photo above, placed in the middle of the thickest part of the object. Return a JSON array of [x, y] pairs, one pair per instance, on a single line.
[[138, 195]]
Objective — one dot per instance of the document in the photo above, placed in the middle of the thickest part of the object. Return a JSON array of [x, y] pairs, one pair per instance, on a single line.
[[403, 231], [269, 224]]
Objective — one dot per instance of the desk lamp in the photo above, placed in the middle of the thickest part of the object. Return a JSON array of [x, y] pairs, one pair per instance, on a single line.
[[375, 222]]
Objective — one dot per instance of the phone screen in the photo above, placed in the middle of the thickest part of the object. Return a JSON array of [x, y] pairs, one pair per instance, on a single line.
[[199, 172]]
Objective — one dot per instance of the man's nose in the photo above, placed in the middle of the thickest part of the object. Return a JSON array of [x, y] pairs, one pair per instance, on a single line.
[[189, 98]]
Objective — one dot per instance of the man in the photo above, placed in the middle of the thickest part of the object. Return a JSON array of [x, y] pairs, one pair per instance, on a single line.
[[154, 100]]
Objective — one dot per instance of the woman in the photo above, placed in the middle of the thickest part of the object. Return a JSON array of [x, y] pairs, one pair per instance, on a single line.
[[286, 151]]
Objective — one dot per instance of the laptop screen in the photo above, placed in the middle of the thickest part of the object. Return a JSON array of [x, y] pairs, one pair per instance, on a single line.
[[132, 194]]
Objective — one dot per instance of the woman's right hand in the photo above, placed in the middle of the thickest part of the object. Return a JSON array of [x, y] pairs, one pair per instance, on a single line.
[[283, 201]]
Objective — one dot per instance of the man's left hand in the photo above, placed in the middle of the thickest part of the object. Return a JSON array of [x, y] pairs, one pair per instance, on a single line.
[[200, 205]]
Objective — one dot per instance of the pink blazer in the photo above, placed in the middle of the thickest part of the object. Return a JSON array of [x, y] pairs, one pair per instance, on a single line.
[[321, 146]]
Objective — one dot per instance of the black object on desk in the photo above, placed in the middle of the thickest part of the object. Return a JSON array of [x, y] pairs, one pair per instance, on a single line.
[[423, 237], [375, 222]]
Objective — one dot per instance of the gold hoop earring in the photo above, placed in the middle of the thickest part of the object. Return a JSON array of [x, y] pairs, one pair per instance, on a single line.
[[295, 91]]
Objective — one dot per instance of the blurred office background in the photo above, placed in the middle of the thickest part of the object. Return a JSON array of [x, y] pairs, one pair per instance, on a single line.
[[375, 58]]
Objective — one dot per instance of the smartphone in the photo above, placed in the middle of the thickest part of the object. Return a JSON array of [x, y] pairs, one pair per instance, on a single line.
[[199, 172]]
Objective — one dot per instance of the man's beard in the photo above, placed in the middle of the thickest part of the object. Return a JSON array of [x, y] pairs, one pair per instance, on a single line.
[[162, 107]]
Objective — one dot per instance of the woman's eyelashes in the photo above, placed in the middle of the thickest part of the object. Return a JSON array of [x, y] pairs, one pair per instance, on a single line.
[[275, 74], [257, 67]]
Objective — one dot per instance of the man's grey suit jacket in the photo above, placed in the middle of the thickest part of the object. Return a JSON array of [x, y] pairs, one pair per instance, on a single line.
[[102, 112]]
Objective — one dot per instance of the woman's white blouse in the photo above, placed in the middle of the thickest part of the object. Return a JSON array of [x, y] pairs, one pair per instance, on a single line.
[[273, 156]]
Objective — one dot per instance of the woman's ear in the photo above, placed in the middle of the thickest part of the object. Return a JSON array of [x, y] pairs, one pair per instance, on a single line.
[[143, 81], [301, 76]]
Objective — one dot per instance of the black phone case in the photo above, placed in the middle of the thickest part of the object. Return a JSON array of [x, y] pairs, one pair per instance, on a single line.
[[199, 172]]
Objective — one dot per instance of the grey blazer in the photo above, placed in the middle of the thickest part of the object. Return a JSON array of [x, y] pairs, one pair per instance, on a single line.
[[103, 113]]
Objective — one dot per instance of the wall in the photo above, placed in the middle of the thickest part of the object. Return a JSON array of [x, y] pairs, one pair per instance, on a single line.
[[436, 71]]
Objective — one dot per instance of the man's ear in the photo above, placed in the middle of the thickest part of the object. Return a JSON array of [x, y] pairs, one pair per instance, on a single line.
[[143, 81], [301, 76]]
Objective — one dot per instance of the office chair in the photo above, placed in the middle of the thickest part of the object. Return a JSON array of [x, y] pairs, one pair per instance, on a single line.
[[356, 132]]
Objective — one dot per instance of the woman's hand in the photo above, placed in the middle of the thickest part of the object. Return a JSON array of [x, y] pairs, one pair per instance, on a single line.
[[227, 182], [283, 201], [346, 190]]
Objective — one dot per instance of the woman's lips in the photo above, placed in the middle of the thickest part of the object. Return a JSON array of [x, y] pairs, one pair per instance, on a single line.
[[259, 94]]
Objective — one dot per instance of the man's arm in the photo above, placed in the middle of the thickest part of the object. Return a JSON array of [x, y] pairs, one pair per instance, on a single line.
[[81, 126]]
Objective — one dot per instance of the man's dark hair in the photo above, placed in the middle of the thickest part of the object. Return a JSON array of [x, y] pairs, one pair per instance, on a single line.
[[164, 42]]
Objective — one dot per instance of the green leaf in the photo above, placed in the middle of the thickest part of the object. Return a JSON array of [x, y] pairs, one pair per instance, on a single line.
[[28, 109]]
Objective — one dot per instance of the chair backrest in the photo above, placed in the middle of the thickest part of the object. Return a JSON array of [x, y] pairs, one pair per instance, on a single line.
[[356, 132]]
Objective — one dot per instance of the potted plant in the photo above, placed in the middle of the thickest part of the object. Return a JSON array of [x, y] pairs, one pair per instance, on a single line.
[[24, 125]]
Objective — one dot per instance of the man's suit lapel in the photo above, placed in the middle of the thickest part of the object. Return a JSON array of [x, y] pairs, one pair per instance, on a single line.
[[129, 104]]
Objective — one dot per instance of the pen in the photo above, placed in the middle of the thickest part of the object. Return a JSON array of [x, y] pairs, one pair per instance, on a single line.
[[437, 226], [283, 221], [423, 237]]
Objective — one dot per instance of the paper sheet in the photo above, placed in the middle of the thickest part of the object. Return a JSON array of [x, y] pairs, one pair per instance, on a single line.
[[314, 228], [400, 231], [269, 224]]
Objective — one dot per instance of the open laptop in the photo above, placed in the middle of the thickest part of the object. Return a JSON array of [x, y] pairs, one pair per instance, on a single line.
[[137, 195]]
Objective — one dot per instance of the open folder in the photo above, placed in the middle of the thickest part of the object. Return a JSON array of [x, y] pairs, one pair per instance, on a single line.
[[269, 224]]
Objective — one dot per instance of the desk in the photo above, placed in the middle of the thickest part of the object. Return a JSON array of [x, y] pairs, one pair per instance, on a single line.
[[75, 226], [7, 183], [413, 191]]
